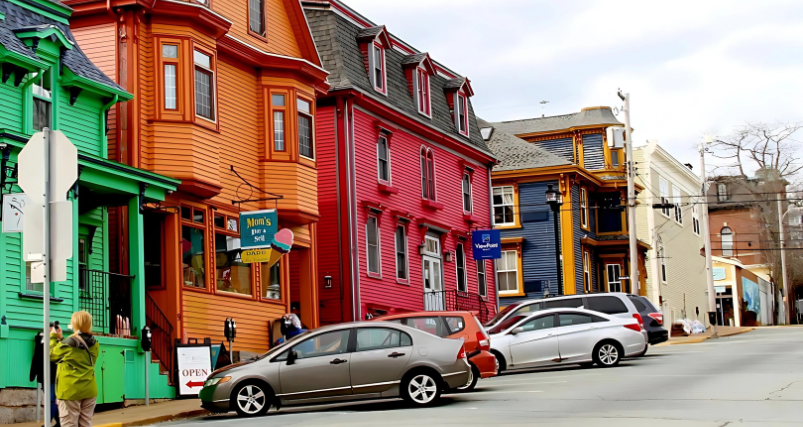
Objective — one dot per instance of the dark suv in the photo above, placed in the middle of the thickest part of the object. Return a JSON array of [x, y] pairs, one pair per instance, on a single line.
[[653, 319]]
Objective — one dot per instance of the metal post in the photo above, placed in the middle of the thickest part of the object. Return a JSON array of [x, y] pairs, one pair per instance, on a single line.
[[788, 298], [709, 269], [46, 284], [631, 197], [147, 362], [559, 265]]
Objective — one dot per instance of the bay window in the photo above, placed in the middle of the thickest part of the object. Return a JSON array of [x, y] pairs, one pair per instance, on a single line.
[[193, 246], [277, 102], [231, 273], [170, 65], [204, 86]]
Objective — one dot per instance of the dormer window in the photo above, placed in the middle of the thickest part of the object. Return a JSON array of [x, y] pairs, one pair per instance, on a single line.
[[422, 91], [462, 114], [378, 68]]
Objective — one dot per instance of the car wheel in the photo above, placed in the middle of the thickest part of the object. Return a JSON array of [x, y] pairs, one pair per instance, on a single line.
[[473, 377], [421, 389], [501, 364], [252, 399], [607, 354]]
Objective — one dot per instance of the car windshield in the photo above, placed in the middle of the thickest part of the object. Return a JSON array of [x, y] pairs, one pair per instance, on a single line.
[[506, 324], [283, 345], [502, 314]]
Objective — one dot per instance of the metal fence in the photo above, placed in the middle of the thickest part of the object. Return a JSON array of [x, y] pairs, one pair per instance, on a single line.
[[107, 297]]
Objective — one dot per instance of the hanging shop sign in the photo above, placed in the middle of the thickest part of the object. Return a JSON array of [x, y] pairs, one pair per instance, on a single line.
[[486, 244], [14, 212], [257, 228], [280, 244], [194, 365]]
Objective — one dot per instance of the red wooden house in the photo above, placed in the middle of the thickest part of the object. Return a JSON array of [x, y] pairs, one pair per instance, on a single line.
[[403, 176]]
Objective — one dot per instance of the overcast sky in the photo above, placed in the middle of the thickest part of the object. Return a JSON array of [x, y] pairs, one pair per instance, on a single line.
[[691, 67]]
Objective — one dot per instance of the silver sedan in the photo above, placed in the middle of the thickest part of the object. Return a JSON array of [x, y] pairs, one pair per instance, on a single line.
[[565, 336], [350, 361]]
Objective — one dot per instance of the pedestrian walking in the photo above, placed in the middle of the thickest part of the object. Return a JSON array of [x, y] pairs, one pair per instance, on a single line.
[[36, 375], [76, 389]]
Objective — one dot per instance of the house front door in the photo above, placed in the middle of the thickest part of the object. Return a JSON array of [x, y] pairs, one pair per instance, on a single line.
[[433, 274]]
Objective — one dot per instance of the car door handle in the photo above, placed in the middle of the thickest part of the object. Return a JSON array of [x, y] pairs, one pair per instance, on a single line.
[[395, 355], [338, 361]]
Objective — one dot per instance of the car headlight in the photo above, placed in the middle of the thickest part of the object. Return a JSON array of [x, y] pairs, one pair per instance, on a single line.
[[216, 381]]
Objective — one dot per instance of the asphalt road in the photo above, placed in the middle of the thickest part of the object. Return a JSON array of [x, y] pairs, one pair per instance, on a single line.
[[753, 379]]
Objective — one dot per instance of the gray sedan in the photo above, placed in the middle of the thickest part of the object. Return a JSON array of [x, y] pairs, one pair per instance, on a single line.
[[350, 361]]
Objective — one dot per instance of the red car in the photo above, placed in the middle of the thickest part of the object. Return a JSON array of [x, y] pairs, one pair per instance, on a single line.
[[455, 324]]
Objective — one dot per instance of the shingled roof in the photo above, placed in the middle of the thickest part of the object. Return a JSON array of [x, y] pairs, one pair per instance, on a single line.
[[337, 40], [591, 116], [514, 153], [18, 18]]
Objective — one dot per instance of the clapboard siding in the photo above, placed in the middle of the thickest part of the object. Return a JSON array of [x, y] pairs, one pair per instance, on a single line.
[[593, 152], [280, 35], [11, 112], [80, 122], [563, 147], [538, 248], [578, 233]]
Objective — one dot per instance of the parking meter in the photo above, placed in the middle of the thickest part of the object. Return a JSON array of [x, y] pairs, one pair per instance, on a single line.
[[230, 332], [147, 339]]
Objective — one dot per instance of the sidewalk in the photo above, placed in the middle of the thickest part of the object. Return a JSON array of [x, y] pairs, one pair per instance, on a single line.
[[142, 415], [722, 332]]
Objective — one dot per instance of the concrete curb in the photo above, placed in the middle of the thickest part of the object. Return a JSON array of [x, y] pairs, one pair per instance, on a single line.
[[159, 419], [696, 340]]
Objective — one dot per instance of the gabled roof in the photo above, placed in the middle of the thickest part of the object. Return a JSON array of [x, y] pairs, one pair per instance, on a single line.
[[514, 153], [338, 45], [587, 117], [21, 19], [419, 59], [459, 83]]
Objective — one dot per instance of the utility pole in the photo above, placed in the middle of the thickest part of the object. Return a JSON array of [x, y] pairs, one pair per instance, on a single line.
[[709, 269], [631, 196], [787, 298]]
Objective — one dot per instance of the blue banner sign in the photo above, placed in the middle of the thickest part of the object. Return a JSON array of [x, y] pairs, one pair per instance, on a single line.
[[257, 228], [486, 244]]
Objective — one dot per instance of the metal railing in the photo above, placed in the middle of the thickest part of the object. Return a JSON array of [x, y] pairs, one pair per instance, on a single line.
[[161, 333], [454, 300], [107, 297]]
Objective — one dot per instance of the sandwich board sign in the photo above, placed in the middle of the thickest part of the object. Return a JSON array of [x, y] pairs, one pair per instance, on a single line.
[[194, 365]]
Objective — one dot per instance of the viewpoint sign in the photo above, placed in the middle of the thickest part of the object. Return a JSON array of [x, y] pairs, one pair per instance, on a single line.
[[486, 244], [257, 228]]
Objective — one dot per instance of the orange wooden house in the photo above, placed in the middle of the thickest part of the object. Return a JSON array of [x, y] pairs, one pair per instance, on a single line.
[[224, 101]]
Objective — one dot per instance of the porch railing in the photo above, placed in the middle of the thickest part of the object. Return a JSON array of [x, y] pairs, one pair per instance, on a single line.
[[161, 333], [454, 300], [107, 297]]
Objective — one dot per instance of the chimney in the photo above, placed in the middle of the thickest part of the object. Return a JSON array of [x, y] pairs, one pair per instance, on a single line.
[[688, 165]]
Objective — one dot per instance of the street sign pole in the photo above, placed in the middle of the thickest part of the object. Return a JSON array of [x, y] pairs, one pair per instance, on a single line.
[[46, 284]]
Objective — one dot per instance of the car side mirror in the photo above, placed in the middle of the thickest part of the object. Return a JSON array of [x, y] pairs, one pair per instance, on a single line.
[[517, 331], [291, 357]]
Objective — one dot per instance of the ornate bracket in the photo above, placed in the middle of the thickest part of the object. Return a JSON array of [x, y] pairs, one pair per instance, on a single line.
[[74, 92], [142, 187]]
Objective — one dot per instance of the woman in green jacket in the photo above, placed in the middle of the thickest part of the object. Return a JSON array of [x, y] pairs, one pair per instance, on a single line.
[[75, 356]]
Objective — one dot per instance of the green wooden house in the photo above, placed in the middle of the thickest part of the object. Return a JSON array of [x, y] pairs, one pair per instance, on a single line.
[[47, 81]]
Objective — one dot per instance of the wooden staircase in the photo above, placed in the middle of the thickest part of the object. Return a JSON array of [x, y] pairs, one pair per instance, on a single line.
[[162, 333]]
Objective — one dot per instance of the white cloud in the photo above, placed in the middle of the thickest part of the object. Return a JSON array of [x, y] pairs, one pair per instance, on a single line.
[[691, 67]]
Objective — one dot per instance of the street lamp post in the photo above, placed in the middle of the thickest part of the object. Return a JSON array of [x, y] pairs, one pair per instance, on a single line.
[[554, 203]]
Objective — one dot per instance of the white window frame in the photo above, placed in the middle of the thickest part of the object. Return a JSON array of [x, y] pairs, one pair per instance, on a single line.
[[482, 278], [663, 186], [467, 192], [730, 242], [512, 204], [378, 273], [461, 102], [212, 84], [617, 267], [695, 217], [372, 63], [379, 160], [676, 196], [722, 192], [583, 207], [662, 258], [515, 270], [406, 253], [423, 97], [587, 272], [457, 268]]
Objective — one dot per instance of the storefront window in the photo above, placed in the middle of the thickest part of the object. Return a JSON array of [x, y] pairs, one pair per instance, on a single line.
[[231, 273], [193, 253], [272, 281]]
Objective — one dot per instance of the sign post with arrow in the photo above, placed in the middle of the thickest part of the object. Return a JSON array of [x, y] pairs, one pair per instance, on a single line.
[[48, 168]]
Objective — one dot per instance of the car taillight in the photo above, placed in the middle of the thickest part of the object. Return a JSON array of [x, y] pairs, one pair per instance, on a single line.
[[640, 320], [484, 340], [658, 317], [633, 326], [462, 353]]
